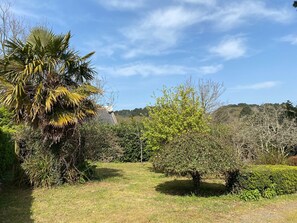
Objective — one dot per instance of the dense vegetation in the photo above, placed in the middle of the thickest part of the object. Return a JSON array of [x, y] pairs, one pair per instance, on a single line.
[[131, 192], [177, 111], [46, 86], [196, 154], [264, 181], [7, 129], [49, 132], [120, 143], [132, 113]]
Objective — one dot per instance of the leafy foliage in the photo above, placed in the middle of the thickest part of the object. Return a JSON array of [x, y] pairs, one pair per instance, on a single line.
[[45, 83], [132, 142], [176, 112], [7, 156], [7, 129], [42, 169], [195, 154], [44, 164], [250, 195], [108, 143], [101, 142], [132, 113], [268, 180]]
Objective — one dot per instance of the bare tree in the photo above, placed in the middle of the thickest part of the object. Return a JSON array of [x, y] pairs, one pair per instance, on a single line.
[[267, 135], [108, 96], [11, 27], [209, 92]]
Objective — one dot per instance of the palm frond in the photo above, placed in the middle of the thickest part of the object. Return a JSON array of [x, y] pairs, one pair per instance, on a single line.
[[63, 119]]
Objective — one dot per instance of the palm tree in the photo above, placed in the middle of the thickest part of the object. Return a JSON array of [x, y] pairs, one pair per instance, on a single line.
[[46, 84]]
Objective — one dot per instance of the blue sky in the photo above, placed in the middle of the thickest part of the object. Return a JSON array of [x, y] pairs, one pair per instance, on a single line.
[[142, 45]]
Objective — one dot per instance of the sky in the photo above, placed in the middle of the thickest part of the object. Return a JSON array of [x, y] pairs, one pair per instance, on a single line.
[[142, 45]]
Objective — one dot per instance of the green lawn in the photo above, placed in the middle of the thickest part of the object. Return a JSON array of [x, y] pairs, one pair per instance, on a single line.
[[133, 193]]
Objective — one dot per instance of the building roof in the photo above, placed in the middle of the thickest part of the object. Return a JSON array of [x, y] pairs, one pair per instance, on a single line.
[[106, 115]]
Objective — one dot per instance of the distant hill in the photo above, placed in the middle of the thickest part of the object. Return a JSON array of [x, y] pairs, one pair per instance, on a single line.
[[234, 112], [126, 115], [226, 114], [132, 113]]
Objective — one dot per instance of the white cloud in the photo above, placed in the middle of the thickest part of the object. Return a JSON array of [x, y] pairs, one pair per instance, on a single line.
[[237, 13], [258, 86], [292, 39], [211, 69], [162, 29], [199, 2], [230, 48], [159, 31], [122, 4], [104, 47], [145, 69]]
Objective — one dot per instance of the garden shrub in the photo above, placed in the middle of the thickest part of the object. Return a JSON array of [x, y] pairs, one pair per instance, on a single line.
[[120, 143], [130, 139], [269, 180], [42, 170], [43, 163], [101, 142], [7, 155], [195, 154]]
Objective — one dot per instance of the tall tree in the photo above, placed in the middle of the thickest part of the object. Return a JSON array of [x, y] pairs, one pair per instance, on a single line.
[[47, 86], [11, 27], [209, 93], [45, 83], [176, 112]]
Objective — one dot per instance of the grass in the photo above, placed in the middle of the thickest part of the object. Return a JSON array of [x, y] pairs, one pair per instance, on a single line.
[[131, 192]]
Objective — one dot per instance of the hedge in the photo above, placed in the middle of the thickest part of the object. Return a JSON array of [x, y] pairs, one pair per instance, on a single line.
[[267, 179], [7, 156]]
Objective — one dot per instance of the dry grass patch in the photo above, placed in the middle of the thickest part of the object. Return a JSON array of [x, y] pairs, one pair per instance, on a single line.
[[129, 192]]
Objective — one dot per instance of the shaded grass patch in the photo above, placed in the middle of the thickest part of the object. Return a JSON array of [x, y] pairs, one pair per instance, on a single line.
[[102, 174], [186, 188]]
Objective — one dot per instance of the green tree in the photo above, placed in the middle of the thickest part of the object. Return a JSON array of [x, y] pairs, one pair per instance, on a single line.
[[46, 85], [176, 112], [196, 154], [131, 139]]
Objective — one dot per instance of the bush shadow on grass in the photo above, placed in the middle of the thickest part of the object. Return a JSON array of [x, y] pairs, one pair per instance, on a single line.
[[152, 169], [105, 173], [186, 188]]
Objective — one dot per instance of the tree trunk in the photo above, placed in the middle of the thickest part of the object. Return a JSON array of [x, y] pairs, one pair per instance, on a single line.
[[196, 180]]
